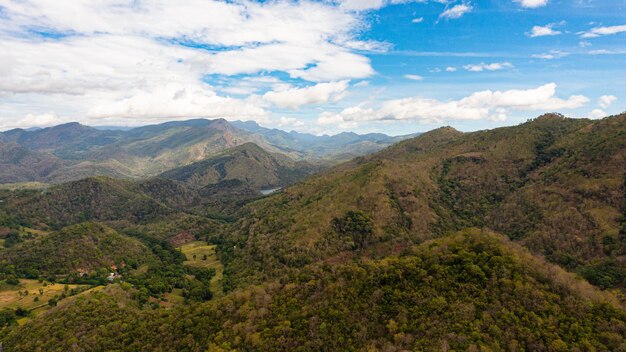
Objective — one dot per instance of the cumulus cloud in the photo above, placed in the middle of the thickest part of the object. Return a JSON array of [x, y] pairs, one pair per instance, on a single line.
[[532, 4], [291, 122], [174, 100], [542, 31], [606, 100], [456, 11], [366, 5], [296, 97], [115, 55], [496, 66], [602, 31], [40, 120], [483, 105], [451, 69], [596, 114]]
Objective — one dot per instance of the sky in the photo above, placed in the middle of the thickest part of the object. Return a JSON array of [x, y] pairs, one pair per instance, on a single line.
[[328, 66]]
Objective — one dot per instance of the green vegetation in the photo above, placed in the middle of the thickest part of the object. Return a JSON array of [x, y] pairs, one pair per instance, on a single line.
[[202, 255], [508, 239], [470, 291], [72, 151], [83, 250], [248, 163], [556, 185], [356, 226]]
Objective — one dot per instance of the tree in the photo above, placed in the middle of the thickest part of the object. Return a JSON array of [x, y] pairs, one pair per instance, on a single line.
[[356, 225]]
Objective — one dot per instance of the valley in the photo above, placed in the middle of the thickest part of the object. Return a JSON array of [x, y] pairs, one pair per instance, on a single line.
[[523, 225]]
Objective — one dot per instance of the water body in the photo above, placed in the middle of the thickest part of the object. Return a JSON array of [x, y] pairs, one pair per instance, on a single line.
[[269, 190]]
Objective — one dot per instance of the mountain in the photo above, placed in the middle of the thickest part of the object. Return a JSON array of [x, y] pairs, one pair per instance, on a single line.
[[342, 146], [248, 163], [555, 185], [95, 198], [505, 239], [19, 164], [81, 248], [77, 151], [67, 141], [470, 291]]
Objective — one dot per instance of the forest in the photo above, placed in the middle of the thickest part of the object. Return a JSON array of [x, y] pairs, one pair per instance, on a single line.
[[505, 239]]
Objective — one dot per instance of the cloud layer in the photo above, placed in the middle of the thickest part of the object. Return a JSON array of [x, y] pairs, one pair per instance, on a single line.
[[492, 105], [148, 59]]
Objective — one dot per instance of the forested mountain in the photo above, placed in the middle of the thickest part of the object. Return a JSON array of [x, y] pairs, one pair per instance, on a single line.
[[96, 198], [72, 151], [554, 184], [504, 239], [19, 164], [81, 248], [248, 163], [469, 291]]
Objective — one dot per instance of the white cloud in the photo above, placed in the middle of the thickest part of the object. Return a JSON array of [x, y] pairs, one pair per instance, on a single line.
[[451, 69], [483, 105], [40, 120], [488, 67], [542, 31], [606, 52], [597, 114], [175, 100], [606, 101], [553, 54], [601, 31], [532, 4], [317, 94], [361, 5], [290, 122], [366, 5], [456, 11], [118, 54], [418, 20], [414, 77]]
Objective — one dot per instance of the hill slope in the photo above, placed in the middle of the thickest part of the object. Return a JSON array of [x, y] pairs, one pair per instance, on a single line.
[[19, 164], [96, 198], [471, 291], [150, 150], [83, 248], [248, 163], [554, 184]]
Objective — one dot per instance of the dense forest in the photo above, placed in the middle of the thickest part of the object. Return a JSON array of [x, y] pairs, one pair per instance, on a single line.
[[505, 239]]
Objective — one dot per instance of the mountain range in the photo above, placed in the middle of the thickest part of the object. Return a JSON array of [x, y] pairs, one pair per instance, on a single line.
[[505, 239], [73, 151]]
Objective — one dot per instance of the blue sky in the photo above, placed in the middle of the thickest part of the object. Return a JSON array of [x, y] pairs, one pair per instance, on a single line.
[[392, 66]]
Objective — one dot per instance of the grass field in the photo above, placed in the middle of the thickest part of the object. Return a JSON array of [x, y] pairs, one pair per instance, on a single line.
[[202, 254], [24, 294]]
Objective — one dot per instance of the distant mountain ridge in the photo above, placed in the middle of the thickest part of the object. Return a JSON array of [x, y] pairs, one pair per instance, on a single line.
[[73, 151], [345, 145]]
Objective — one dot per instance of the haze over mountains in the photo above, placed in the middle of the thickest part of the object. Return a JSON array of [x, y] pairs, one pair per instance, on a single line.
[[73, 151]]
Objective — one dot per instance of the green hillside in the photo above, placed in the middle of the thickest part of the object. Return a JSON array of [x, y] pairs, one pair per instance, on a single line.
[[83, 248], [505, 239], [248, 163], [554, 184], [470, 291], [73, 151], [96, 198]]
